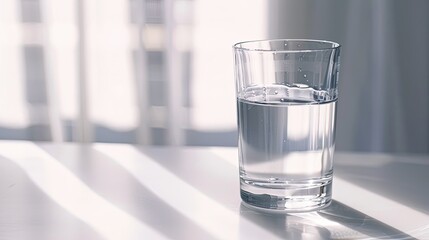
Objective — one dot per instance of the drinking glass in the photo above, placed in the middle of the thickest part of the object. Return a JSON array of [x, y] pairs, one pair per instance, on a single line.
[[287, 93]]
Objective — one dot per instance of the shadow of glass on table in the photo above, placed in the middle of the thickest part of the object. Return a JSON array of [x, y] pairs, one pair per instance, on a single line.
[[338, 221]]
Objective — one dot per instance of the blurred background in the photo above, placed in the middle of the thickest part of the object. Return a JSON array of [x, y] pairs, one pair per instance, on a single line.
[[160, 72]]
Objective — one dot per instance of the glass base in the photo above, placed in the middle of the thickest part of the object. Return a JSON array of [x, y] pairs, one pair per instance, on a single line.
[[302, 197]]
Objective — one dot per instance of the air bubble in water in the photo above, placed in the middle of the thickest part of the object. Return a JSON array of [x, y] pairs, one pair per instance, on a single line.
[[282, 100], [276, 92], [300, 85], [264, 95], [305, 75], [299, 69]]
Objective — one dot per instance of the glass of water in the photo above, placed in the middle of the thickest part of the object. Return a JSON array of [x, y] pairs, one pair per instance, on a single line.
[[287, 93]]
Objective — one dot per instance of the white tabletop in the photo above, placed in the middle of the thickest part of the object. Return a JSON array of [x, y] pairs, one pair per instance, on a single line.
[[118, 191]]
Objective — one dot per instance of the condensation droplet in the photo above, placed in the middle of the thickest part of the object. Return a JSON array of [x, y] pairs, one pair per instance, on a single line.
[[276, 92], [282, 100], [299, 69], [299, 45], [305, 75]]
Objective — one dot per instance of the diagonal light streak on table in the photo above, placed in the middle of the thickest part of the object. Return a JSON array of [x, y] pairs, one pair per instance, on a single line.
[[372, 204], [180, 195], [72, 194]]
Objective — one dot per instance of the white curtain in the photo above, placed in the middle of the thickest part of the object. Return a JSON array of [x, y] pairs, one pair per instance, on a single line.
[[133, 71], [384, 76], [160, 71]]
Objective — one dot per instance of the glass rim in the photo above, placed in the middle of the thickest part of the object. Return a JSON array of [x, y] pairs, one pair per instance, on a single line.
[[238, 46]]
